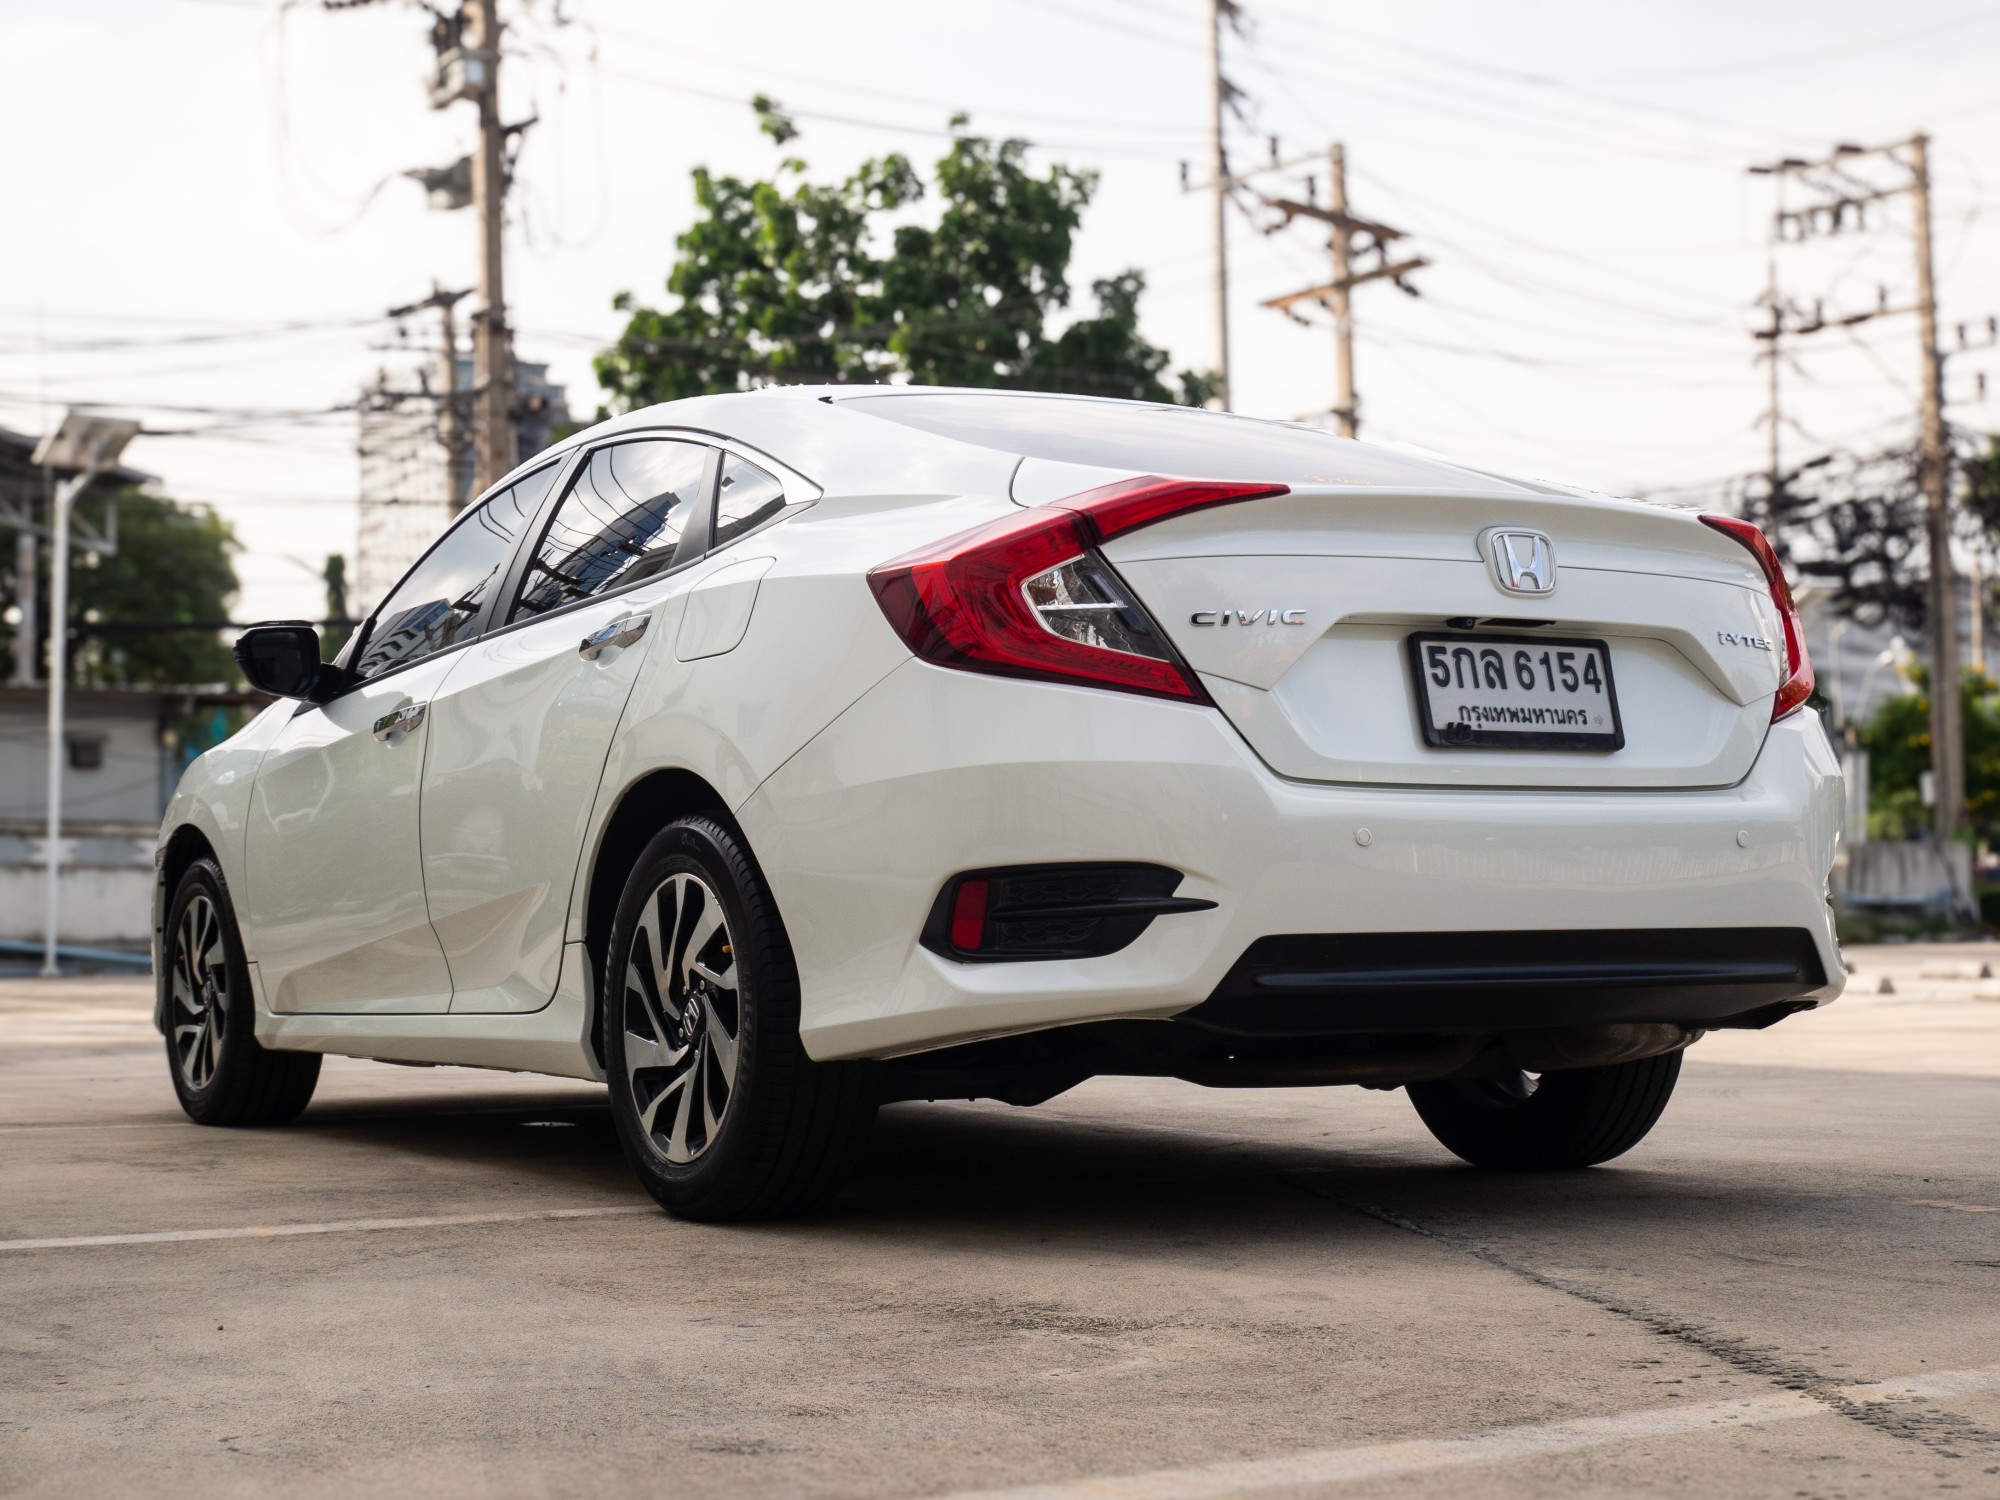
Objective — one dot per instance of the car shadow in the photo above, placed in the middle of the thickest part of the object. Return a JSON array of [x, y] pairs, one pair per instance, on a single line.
[[937, 1171]]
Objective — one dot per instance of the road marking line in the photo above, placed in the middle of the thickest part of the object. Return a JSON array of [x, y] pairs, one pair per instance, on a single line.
[[1532, 1439], [341, 1226], [1964, 1208]]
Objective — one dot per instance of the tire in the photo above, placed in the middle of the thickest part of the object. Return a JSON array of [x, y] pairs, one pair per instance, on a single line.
[[1576, 1118], [719, 1110], [221, 1073]]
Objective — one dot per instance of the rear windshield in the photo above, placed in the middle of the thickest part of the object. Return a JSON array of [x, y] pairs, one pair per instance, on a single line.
[[1177, 440]]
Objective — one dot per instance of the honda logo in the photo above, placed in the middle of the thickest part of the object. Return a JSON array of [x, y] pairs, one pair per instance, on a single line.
[[1523, 561]]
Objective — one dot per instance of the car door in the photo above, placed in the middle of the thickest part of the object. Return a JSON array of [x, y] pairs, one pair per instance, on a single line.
[[334, 890], [521, 728]]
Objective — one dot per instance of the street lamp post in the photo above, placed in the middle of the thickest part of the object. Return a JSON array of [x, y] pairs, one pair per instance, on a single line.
[[90, 445]]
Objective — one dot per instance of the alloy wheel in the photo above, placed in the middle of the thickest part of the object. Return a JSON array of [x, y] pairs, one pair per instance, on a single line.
[[199, 980], [683, 1018]]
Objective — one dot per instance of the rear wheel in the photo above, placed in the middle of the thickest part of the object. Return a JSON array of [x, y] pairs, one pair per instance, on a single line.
[[222, 1074], [720, 1112], [1551, 1122]]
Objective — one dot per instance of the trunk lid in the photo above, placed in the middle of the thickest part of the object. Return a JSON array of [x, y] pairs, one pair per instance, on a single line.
[[1320, 590]]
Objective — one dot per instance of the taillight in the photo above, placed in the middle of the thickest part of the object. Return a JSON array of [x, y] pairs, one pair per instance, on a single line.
[[1798, 683], [1029, 596]]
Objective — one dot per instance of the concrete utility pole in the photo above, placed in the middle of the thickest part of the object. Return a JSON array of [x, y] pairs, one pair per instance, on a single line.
[[1844, 204], [1773, 476], [1340, 302], [1218, 181], [90, 445], [451, 414], [492, 347], [1934, 470], [1349, 239]]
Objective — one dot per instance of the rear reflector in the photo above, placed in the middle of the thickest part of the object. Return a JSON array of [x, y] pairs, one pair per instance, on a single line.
[[968, 916], [1025, 912], [1797, 686], [1028, 596]]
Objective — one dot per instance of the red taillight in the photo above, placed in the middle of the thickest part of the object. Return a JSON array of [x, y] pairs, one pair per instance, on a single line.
[[1798, 683], [963, 602]]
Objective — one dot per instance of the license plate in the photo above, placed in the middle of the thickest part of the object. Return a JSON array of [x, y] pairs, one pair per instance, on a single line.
[[1515, 692]]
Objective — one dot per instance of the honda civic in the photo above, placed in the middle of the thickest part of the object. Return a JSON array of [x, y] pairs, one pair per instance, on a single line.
[[772, 756]]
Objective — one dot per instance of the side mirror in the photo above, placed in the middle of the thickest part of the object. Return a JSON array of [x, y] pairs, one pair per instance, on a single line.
[[282, 658]]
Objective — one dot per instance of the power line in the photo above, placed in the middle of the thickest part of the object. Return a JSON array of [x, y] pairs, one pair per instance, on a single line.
[[948, 107], [1146, 151], [1561, 252], [1818, 54], [1532, 79]]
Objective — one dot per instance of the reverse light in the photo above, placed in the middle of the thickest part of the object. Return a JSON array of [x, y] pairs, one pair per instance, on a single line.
[[1029, 596], [1798, 684]]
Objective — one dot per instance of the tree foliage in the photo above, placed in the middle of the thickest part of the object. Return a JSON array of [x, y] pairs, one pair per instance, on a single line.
[[172, 564], [1898, 740], [789, 280]]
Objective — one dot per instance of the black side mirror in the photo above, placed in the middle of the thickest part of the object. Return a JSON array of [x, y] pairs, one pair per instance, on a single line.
[[282, 658]]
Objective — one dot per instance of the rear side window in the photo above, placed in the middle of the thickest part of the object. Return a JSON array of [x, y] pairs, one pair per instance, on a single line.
[[621, 522], [438, 602], [1156, 439], [747, 499]]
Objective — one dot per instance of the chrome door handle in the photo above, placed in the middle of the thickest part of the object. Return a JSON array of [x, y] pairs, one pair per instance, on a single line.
[[620, 632], [402, 721]]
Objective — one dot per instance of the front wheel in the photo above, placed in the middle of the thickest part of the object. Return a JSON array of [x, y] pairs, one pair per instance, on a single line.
[[719, 1110], [1552, 1122], [222, 1074]]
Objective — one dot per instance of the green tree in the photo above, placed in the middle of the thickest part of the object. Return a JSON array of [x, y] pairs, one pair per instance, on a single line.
[[172, 565], [1898, 740], [782, 281]]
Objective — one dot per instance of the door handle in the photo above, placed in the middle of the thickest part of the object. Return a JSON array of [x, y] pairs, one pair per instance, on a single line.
[[620, 632], [401, 721]]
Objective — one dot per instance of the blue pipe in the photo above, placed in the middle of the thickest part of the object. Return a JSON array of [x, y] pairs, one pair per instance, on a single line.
[[82, 955]]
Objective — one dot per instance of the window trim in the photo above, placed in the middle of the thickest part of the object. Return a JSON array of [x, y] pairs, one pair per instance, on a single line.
[[358, 643], [800, 494], [696, 530]]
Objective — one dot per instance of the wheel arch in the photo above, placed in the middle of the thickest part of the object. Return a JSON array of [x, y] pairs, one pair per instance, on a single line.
[[183, 847], [642, 810]]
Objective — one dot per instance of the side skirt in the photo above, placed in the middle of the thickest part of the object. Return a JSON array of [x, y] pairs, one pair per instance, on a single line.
[[554, 1039]]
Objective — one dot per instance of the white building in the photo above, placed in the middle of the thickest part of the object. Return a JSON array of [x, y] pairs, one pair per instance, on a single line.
[[126, 748]]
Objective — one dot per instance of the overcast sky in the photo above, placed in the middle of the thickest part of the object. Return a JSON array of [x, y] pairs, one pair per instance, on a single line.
[[206, 224]]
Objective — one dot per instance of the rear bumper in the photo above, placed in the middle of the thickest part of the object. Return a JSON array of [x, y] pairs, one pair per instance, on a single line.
[[934, 772], [1471, 983]]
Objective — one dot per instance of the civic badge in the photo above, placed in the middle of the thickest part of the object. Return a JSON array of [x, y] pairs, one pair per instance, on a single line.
[[1524, 562]]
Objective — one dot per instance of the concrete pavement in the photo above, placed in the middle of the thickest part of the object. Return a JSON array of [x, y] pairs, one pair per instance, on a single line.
[[1792, 1288]]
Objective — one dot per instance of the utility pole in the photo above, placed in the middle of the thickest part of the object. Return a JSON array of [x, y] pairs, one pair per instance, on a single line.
[[1845, 197], [451, 413], [1934, 471], [1218, 179], [1773, 474], [492, 348], [90, 446], [1350, 240], [467, 41], [1340, 303]]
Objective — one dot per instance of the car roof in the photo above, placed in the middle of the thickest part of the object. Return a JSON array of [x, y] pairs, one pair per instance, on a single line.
[[955, 438]]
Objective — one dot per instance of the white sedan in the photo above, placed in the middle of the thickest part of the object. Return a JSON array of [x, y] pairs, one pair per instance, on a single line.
[[771, 756]]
